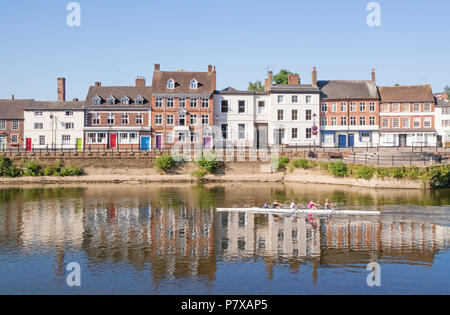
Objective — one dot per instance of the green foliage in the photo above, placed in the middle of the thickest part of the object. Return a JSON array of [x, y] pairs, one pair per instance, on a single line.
[[414, 173], [304, 164], [209, 163], [447, 90], [256, 86], [199, 174], [364, 172], [32, 169], [282, 77], [398, 172], [280, 163], [164, 162], [439, 177], [7, 168], [338, 169], [71, 171], [323, 165]]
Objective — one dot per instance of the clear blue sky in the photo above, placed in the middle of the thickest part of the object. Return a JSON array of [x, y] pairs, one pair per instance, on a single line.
[[119, 40]]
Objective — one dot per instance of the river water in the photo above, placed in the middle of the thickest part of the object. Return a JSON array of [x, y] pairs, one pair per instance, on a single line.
[[168, 239]]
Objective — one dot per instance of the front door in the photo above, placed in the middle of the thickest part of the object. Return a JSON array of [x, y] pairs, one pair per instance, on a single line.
[[79, 144], [402, 140], [2, 142], [28, 144], [158, 141], [351, 141], [342, 141], [112, 140], [207, 142], [145, 143]]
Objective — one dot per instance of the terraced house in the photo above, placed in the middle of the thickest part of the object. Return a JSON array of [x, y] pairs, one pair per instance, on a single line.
[[407, 116], [12, 123], [182, 107], [118, 117], [349, 114]]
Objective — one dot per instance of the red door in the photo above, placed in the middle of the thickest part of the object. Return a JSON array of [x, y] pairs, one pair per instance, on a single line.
[[112, 140], [28, 144]]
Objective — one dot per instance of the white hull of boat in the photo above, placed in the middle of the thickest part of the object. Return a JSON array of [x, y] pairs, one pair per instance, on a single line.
[[299, 211]]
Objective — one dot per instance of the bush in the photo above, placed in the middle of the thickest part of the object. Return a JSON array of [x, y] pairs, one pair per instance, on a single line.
[[323, 165], [398, 173], [439, 177], [5, 164], [164, 162], [414, 173], [382, 173], [71, 171], [32, 169], [302, 163], [199, 174], [209, 163], [280, 163], [49, 170], [12, 171], [364, 172], [338, 169]]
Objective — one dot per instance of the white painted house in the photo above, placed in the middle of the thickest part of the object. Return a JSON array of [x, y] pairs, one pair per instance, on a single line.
[[50, 125], [443, 122]]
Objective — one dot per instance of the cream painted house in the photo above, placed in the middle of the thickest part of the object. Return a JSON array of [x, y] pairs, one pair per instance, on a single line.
[[443, 122]]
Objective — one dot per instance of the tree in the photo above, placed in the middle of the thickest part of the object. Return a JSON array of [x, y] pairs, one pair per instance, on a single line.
[[447, 90], [282, 77], [256, 86]]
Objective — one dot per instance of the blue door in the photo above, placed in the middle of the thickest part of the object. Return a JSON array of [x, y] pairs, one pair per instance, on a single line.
[[342, 141], [351, 141], [145, 143]]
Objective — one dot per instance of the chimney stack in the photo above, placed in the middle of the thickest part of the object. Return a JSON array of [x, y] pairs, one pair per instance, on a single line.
[[314, 77], [98, 84], [269, 81], [61, 89], [293, 79], [373, 75], [140, 82], [214, 78], [157, 66]]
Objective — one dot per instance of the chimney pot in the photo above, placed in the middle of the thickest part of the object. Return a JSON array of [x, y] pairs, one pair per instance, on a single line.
[[209, 68], [12, 97], [157, 66], [98, 84]]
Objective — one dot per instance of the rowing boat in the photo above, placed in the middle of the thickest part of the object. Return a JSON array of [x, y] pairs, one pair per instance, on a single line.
[[299, 211]]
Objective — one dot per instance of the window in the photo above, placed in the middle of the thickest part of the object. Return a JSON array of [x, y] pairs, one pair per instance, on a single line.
[[158, 102], [362, 107], [406, 122], [417, 122], [333, 121], [110, 120], [405, 108], [194, 136], [365, 136], [372, 107], [294, 98], [170, 102], [111, 100], [372, 120], [2, 125], [261, 106], [385, 122], [241, 107], [38, 114], [353, 121], [123, 138], [139, 119], [193, 84], [205, 119], [427, 122], [308, 133], [323, 121], [308, 114], [280, 115], [193, 102], [352, 107], [280, 99], [158, 119], [139, 100], [328, 138], [396, 122], [128, 138], [224, 128], [124, 119], [182, 102], [169, 137], [38, 126], [419, 137], [395, 108], [181, 137], [324, 107], [343, 107], [294, 133], [65, 140], [95, 119], [385, 108], [170, 119], [343, 121], [68, 113], [96, 101], [14, 139], [171, 84], [15, 125], [427, 107], [308, 99], [294, 114], [241, 131], [193, 119], [41, 140], [205, 103], [362, 121], [182, 119], [416, 107], [125, 101], [70, 125], [333, 107], [96, 138]]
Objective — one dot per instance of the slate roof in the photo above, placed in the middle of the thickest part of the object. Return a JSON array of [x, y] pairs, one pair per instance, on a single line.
[[10, 109], [206, 82], [118, 92], [286, 88], [233, 91], [348, 89], [406, 94], [55, 105]]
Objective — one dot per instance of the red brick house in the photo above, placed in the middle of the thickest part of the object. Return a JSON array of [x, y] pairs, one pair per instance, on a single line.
[[12, 123], [118, 117], [182, 107]]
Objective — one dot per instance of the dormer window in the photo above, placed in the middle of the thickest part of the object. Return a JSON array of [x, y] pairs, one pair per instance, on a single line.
[[96, 100], [125, 100], [111, 100], [194, 84], [171, 84], [139, 100]]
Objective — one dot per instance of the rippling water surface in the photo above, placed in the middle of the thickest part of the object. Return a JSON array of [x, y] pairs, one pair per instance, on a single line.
[[168, 239]]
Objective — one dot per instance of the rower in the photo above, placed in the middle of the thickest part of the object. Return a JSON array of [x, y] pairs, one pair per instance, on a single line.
[[294, 205], [329, 205], [276, 205], [312, 205]]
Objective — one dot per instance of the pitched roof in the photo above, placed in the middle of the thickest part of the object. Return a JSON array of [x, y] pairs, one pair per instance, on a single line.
[[399, 94], [443, 103], [286, 88], [206, 82], [54, 105], [348, 89], [10, 109], [233, 91], [118, 92]]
